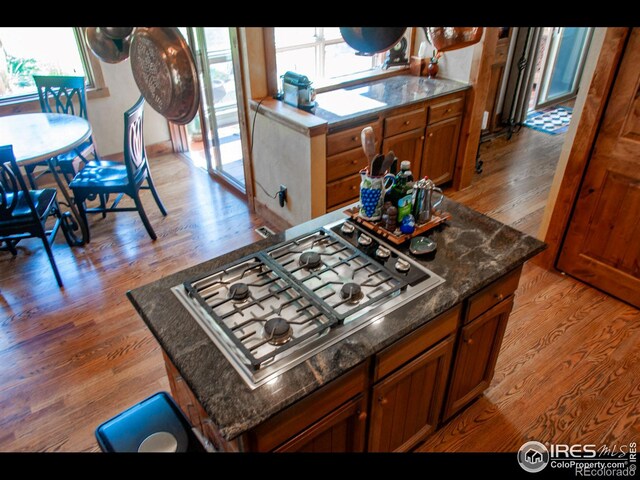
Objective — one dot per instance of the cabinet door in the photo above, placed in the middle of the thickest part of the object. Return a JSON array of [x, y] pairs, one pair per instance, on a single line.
[[341, 431], [405, 406], [478, 348], [440, 149], [406, 146]]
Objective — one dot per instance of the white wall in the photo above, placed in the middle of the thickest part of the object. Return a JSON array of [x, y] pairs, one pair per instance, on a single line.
[[106, 114], [455, 65], [283, 156]]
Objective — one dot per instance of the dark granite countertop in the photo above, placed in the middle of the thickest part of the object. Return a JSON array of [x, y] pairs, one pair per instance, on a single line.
[[473, 251], [344, 105]]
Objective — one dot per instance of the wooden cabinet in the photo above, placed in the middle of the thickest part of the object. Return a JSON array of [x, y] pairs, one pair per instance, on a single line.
[[406, 405], [407, 146], [345, 158], [343, 430], [440, 150], [479, 343], [432, 153]]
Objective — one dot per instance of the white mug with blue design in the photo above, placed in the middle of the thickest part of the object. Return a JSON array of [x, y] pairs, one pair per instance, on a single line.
[[372, 192]]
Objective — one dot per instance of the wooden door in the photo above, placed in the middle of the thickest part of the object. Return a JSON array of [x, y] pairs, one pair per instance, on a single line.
[[440, 148], [406, 146], [343, 430], [478, 348], [602, 244], [406, 405]]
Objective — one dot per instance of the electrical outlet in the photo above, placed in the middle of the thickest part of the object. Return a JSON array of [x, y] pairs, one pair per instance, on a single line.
[[282, 195], [485, 120]]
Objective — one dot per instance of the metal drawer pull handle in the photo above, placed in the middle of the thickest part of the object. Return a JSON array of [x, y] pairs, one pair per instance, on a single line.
[[354, 139], [382, 401], [361, 415], [407, 122], [469, 341], [499, 296], [431, 134], [447, 110]]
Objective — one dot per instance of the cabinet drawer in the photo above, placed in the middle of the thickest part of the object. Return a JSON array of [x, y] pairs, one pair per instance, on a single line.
[[416, 342], [404, 122], [304, 413], [447, 108], [343, 190], [350, 138], [345, 164], [492, 295]]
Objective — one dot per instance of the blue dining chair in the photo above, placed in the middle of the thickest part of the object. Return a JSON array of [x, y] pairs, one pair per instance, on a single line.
[[64, 94], [24, 212], [121, 179]]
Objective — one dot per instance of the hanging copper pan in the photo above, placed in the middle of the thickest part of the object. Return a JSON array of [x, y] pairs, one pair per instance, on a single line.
[[106, 48], [165, 72], [445, 39]]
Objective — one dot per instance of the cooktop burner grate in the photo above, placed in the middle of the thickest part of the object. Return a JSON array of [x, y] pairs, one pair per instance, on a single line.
[[260, 311], [343, 267]]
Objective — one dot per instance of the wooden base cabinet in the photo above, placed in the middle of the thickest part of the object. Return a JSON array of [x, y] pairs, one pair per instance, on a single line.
[[406, 405], [341, 431], [478, 347], [440, 149]]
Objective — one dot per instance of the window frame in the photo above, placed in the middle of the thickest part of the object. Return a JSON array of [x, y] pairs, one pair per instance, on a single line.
[[333, 84], [97, 88]]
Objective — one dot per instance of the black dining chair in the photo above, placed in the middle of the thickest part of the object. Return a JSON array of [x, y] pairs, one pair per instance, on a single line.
[[123, 179], [24, 212], [64, 94]]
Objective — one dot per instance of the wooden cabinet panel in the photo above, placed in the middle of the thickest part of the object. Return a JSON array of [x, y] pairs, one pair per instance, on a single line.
[[478, 347], [416, 342], [341, 431], [492, 294], [343, 190], [350, 138], [345, 164], [440, 149], [308, 412], [406, 405], [448, 107], [405, 122], [406, 146]]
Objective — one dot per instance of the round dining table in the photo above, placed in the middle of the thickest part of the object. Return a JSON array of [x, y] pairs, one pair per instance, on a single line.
[[38, 137]]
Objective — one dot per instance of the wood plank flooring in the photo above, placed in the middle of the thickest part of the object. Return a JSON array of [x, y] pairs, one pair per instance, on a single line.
[[72, 358]]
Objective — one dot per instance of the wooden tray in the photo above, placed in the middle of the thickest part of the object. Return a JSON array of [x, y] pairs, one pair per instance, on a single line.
[[436, 219]]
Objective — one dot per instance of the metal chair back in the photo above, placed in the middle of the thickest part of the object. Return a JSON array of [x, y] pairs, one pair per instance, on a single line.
[[62, 94], [11, 183], [135, 155]]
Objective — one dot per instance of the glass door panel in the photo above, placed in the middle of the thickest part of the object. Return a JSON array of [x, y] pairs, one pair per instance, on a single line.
[[218, 127], [567, 52]]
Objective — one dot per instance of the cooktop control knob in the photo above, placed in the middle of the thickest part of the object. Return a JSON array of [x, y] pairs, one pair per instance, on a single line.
[[347, 227], [364, 240], [402, 265], [383, 252]]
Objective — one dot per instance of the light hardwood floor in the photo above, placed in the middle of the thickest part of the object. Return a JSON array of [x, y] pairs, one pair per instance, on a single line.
[[73, 358]]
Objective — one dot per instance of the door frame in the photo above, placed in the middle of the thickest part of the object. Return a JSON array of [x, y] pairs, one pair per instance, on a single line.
[[178, 133], [570, 173]]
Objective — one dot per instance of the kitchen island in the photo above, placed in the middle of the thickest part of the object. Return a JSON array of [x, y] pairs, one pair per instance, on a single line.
[[385, 387]]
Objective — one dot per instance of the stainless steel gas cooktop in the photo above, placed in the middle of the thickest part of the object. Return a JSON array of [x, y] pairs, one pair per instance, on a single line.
[[272, 310]]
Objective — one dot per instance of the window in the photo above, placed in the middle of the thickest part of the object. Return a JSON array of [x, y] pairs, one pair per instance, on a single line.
[[320, 53], [28, 51]]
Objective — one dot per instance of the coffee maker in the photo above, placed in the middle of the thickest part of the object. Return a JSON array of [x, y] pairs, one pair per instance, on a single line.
[[297, 91]]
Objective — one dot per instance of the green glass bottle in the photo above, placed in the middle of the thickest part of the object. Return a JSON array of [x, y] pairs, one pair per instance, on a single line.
[[402, 191]]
